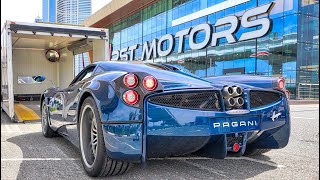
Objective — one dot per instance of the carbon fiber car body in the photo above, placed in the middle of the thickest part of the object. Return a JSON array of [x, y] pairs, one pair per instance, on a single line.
[[183, 115]]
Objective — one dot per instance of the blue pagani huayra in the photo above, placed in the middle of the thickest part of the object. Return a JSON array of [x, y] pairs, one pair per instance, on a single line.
[[121, 113]]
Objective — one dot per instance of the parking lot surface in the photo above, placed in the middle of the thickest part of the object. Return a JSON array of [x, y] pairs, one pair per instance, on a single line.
[[27, 154]]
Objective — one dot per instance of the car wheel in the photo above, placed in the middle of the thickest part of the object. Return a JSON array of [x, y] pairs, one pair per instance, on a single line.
[[46, 129], [93, 152], [255, 152]]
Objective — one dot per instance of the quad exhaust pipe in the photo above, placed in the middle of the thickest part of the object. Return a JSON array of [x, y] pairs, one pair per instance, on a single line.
[[231, 99]]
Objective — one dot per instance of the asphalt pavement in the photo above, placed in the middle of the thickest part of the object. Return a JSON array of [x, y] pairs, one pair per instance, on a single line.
[[27, 154]]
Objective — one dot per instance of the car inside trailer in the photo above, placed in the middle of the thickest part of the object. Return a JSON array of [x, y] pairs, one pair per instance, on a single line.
[[37, 56]]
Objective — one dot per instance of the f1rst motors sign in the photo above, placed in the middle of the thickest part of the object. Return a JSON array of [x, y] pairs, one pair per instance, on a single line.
[[156, 49]]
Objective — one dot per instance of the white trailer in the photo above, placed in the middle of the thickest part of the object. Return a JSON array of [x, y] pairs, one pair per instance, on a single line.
[[46, 50]]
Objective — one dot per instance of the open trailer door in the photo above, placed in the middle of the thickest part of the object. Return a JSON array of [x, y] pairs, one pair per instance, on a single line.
[[7, 103], [37, 56]]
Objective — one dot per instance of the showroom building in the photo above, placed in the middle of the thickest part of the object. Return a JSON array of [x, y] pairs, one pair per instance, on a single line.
[[220, 37]]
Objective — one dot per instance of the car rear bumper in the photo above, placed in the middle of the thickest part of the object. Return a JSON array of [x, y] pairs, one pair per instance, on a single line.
[[168, 131]]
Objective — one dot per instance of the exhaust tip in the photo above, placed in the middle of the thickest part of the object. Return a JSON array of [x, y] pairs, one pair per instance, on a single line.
[[229, 102], [239, 101], [237, 91], [232, 101], [227, 91]]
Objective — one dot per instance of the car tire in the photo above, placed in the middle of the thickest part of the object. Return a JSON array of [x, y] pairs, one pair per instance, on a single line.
[[255, 152], [94, 159], [47, 131]]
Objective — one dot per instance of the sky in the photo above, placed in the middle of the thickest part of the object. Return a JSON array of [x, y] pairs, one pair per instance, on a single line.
[[28, 10]]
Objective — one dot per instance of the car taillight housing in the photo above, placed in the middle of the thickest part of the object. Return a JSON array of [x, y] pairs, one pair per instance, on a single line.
[[131, 97], [150, 83], [131, 80], [281, 84]]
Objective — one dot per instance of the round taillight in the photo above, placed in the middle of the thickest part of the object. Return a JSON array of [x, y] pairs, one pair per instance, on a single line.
[[131, 97], [236, 147], [150, 83], [281, 84], [130, 80]]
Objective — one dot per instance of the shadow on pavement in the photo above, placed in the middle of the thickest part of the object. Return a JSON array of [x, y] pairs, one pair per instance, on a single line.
[[35, 145]]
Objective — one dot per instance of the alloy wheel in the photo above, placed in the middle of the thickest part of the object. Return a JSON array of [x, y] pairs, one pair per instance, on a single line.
[[88, 136]]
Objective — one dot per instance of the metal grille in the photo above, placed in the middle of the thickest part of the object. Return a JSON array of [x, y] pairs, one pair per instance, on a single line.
[[263, 98], [231, 140], [207, 101]]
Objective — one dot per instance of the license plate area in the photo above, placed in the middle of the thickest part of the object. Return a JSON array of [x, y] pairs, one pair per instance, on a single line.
[[235, 124]]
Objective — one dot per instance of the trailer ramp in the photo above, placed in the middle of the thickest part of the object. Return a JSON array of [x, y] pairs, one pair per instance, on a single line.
[[27, 111]]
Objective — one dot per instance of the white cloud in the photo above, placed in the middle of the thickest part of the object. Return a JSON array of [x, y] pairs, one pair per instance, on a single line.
[[28, 10], [98, 4], [20, 10]]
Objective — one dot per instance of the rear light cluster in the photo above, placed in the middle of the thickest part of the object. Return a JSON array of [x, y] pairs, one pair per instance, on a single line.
[[131, 97], [150, 83], [131, 80], [281, 84]]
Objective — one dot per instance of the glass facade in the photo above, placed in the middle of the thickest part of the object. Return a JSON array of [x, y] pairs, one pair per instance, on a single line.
[[290, 50], [49, 11], [73, 11], [84, 8]]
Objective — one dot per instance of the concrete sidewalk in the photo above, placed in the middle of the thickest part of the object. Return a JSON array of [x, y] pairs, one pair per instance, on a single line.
[[303, 102]]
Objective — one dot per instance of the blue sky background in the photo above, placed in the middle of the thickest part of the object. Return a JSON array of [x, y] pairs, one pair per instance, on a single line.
[[28, 10]]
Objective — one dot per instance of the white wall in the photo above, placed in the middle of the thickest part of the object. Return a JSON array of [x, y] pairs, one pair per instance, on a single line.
[[100, 50], [28, 62], [65, 68]]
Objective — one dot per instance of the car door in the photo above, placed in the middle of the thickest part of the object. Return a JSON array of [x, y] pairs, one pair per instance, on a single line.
[[56, 108], [72, 94]]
